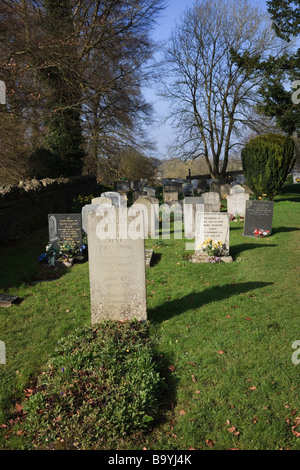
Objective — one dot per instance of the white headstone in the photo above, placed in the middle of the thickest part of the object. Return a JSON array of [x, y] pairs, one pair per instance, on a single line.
[[236, 204], [211, 201], [116, 198], [2, 92], [212, 226], [237, 188], [190, 206], [117, 268]]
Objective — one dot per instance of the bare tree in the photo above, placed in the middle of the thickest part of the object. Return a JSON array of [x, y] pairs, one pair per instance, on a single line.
[[88, 58], [211, 97]]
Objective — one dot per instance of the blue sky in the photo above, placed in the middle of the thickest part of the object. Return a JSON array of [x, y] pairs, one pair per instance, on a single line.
[[162, 134]]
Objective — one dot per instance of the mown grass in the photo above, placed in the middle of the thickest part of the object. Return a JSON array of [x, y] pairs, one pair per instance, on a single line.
[[223, 336]]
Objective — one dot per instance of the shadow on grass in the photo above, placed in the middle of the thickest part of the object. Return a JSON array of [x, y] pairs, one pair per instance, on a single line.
[[196, 300], [238, 249], [290, 192], [284, 229], [19, 262]]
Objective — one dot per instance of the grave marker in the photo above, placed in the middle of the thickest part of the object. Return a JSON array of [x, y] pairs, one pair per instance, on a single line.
[[117, 272], [259, 215], [211, 202], [236, 204], [189, 213], [64, 227]]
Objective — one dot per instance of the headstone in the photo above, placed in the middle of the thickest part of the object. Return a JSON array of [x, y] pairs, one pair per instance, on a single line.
[[236, 204], [116, 198], [151, 192], [240, 179], [237, 188], [2, 92], [195, 184], [7, 300], [259, 215], [123, 186], [211, 202], [170, 195], [150, 208], [187, 189], [117, 272], [190, 205], [296, 177], [101, 200], [202, 186], [212, 226], [224, 190], [148, 257], [64, 227], [214, 186]]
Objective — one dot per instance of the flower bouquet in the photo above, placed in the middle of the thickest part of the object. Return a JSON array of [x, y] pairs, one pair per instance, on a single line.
[[259, 233], [214, 250]]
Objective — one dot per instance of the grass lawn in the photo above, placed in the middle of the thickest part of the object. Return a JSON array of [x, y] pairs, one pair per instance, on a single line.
[[223, 336]]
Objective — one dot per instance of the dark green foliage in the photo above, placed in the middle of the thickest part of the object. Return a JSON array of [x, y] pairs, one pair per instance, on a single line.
[[61, 77], [101, 384], [286, 17], [267, 160], [44, 164]]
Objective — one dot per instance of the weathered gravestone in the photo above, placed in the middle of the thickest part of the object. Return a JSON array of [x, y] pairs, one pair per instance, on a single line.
[[236, 204], [116, 198], [2, 353], [117, 269], [8, 300], [237, 188], [259, 215], [64, 228], [190, 206], [211, 202], [170, 195], [123, 186], [151, 192], [2, 92], [187, 189], [150, 208], [211, 226], [240, 179], [296, 177]]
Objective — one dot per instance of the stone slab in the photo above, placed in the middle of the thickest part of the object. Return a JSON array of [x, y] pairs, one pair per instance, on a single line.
[[7, 300], [259, 215], [117, 274], [65, 227]]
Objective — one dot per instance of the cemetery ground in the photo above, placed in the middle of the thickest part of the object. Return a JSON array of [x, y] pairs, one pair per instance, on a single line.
[[221, 335]]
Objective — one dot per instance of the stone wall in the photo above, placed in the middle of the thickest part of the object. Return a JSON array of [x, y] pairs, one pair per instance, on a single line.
[[25, 207]]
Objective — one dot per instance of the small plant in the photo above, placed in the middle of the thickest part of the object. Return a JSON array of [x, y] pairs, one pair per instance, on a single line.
[[80, 201], [101, 385], [213, 248], [261, 233], [65, 251], [214, 259]]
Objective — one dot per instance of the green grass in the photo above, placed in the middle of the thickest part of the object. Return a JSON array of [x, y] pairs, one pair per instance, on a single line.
[[220, 330]]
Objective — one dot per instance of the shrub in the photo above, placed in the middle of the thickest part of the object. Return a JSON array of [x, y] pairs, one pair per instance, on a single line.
[[267, 160], [101, 384]]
